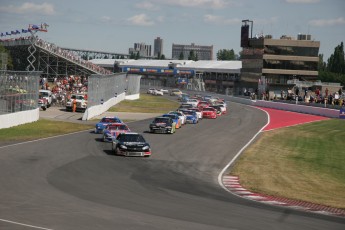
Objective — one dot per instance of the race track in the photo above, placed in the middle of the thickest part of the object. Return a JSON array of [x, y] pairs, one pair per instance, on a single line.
[[73, 182]]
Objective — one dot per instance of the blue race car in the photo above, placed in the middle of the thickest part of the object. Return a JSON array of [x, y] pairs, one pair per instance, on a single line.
[[175, 118], [191, 116], [102, 124]]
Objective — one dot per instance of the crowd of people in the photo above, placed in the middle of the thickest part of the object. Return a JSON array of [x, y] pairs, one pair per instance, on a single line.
[[63, 88]]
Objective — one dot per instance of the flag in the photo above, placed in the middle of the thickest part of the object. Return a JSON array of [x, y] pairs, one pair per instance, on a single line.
[[2, 34], [17, 32], [7, 33], [35, 27], [13, 32]]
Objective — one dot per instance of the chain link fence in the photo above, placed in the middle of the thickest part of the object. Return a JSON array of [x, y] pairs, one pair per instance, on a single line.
[[101, 88], [133, 84], [18, 91]]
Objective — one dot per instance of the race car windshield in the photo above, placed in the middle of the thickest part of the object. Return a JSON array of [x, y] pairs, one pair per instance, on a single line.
[[160, 120], [131, 138], [109, 120], [170, 115], [117, 127]]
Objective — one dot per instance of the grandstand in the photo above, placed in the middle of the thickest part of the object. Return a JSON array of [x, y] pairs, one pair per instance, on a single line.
[[52, 60]]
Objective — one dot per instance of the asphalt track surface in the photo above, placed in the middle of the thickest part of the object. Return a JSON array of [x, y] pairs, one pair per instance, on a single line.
[[74, 182]]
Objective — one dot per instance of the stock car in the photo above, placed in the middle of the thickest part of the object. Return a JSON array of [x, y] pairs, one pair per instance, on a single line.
[[203, 104], [191, 116], [222, 108], [163, 125], [198, 112], [218, 109], [181, 116], [113, 130], [102, 124], [209, 112], [175, 118], [131, 144]]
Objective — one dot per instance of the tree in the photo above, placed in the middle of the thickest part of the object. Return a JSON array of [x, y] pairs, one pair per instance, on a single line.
[[9, 64], [225, 54], [162, 57], [192, 55], [181, 57], [322, 65], [334, 69], [132, 55], [137, 57], [336, 63]]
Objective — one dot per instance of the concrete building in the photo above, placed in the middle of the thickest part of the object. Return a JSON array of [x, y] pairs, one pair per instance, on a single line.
[[275, 61], [141, 48], [202, 52], [158, 47]]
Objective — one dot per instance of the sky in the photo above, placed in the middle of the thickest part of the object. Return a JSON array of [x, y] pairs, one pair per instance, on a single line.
[[115, 25]]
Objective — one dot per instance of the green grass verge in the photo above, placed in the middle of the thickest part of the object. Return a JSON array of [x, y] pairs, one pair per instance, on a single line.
[[40, 129], [305, 162], [146, 104]]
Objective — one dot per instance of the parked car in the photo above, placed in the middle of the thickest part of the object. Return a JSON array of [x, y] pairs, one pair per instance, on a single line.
[[157, 92], [162, 125], [165, 91], [104, 122], [113, 130], [209, 112], [150, 90], [176, 119], [131, 144]]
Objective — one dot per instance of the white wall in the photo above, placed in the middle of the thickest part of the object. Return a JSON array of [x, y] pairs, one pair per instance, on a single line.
[[19, 118], [101, 108]]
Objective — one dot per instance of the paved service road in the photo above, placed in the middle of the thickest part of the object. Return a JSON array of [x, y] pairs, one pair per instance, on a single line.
[[73, 182]]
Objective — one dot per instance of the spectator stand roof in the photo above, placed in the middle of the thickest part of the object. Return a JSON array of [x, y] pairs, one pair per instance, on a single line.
[[184, 65]]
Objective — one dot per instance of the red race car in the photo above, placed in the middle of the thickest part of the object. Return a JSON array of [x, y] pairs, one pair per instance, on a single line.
[[209, 112]]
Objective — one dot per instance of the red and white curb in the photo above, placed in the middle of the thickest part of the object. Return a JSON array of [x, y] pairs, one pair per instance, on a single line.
[[232, 184]]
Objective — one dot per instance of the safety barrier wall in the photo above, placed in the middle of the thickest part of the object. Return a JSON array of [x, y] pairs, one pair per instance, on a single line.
[[101, 88], [106, 91], [96, 110], [18, 98], [333, 113], [133, 84], [18, 118]]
